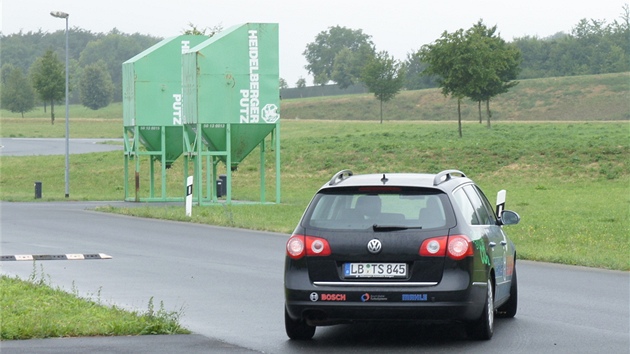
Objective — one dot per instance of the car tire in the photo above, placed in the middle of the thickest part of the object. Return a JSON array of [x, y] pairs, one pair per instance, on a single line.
[[508, 310], [297, 330], [483, 327]]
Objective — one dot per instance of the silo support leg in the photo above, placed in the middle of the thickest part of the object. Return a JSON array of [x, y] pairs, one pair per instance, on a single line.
[[209, 179], [198, 165], [228, 160], [213, 180], [136, 144], [262, 172], [277, 140], [152, 177], [163, 163]]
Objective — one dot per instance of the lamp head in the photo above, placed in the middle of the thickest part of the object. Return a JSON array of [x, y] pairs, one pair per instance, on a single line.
[[59, 14]]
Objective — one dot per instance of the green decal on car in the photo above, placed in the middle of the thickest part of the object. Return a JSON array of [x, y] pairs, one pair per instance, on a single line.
[[481, 246]]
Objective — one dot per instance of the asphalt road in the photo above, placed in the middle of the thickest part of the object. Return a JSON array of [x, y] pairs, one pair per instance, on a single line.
[[227, 283], [38, 146]]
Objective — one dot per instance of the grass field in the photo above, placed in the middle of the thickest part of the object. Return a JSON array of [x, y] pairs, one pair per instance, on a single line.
[[576, 98], [569, 181], [33, 309]]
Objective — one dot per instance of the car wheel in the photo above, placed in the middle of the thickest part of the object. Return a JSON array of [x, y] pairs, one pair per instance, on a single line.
[[508, 310], [298, 330], [483, 327]]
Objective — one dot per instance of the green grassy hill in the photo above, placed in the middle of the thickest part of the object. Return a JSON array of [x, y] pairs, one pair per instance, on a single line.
[[572, 98], [575, 98]]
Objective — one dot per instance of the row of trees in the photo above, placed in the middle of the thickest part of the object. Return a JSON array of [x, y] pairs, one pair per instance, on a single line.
[[475, 64], [46, 80], [592, 47], [338, 54], [33, 69], [95, 62], [348, 57]]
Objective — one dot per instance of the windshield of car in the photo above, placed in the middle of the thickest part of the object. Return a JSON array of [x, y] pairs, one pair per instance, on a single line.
[[387, 209]]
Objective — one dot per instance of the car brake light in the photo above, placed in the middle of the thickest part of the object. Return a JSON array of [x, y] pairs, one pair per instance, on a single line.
[[316, 246], [456, 247], [295, 247], [459, 247], [299, 246], [433, 247]]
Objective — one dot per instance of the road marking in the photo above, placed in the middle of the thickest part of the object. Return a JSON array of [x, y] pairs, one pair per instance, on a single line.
[[60, 257]]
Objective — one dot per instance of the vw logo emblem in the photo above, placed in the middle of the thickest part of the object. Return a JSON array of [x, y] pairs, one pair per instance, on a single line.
[[374, 246]]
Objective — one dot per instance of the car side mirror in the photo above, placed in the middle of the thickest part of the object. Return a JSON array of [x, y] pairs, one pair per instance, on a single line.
[[509, 217]]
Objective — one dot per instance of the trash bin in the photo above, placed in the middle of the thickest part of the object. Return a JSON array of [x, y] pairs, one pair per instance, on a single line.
[[221, 186], [38, 190]]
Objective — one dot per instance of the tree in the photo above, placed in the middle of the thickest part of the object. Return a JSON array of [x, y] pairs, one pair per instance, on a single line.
[[497, 65], [592, 47], [321, 54], [342, 68], [348, 65], [96, 87], [49, 80], [301, 83], [476, 64], [283, 83], [23, 48], [384, 76], [17, 93], [535, 53], [414, 80], [208, 31], [601, 48], [114, 49], [448, 59], [5, 72]]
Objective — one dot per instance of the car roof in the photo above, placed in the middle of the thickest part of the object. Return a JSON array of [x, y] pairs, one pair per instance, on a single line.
[[445, 180]]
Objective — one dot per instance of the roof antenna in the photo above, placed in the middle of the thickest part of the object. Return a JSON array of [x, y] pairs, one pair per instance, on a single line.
[[384, 179]]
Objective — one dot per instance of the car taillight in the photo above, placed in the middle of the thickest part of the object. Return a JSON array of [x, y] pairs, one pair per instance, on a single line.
[[459, 247], [433, 247], [316, 246], [456, 247], [295, 247], [299, 246]]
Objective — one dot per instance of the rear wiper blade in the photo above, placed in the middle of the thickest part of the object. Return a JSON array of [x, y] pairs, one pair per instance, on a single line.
[[376, 227]]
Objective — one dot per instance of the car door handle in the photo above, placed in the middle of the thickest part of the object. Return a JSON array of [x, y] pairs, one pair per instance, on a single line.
[[492, 244]]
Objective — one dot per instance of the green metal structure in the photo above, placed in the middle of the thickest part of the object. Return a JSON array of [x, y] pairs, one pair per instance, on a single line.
[[211, 99], [152, 96], [232, 102]]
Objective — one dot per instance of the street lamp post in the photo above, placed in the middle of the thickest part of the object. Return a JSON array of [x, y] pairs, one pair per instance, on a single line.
[[64, 15]]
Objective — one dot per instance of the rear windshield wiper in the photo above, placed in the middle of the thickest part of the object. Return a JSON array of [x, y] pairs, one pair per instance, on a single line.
[[376, 227]]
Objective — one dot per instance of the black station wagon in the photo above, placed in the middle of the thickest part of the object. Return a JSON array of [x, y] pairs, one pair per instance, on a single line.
[[400, 246]]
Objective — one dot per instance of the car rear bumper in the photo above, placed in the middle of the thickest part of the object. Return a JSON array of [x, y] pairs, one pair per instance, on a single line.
[[446, 301]]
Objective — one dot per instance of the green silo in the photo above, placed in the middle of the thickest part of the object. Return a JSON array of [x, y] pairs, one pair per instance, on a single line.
[[231, 100], [231, 89], [152, 105]]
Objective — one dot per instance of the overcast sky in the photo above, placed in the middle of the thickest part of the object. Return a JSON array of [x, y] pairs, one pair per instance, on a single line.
[[396, 26]]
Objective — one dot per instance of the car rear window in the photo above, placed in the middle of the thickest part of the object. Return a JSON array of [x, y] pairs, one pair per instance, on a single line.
[[361, 208]]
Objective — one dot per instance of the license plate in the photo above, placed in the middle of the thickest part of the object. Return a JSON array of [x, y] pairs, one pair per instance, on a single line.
[[375, 270]]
